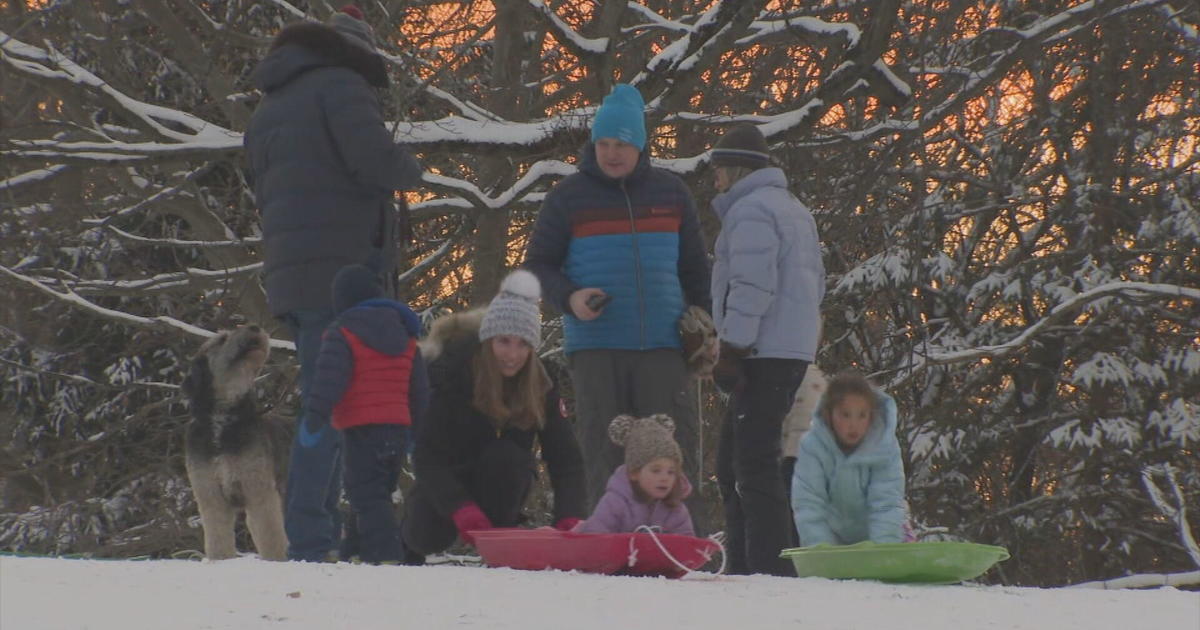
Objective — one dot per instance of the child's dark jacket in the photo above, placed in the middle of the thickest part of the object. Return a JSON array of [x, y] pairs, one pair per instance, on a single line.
[[369, 370]]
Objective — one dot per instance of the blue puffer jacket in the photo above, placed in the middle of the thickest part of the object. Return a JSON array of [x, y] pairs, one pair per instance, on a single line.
[[324, 169], [637, 238], [768, 278], [840, 498]]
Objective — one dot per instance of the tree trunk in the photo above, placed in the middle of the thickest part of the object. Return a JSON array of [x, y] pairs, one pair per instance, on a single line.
[[509, 100]]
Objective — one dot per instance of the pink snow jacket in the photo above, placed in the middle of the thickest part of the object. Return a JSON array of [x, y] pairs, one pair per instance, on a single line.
[[620, 511]]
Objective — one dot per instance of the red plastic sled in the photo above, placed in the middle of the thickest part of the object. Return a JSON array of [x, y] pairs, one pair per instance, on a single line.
[[626, 554]]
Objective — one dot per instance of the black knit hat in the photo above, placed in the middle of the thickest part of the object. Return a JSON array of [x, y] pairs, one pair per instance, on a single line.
[[743, 145], [353, 285]]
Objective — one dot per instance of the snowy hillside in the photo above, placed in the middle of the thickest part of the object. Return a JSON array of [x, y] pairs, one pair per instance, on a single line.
[[248, 594]]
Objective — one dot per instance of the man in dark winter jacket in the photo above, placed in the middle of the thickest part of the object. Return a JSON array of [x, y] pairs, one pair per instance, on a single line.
[[325, 169], [372, 382], [624, 231]]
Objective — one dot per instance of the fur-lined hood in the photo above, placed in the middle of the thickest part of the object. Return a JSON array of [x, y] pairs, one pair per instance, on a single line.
[[450, 333], [300, 48]]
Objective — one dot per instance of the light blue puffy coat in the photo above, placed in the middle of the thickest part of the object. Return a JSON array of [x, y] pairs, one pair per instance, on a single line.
[[842, 499], [768, 279]]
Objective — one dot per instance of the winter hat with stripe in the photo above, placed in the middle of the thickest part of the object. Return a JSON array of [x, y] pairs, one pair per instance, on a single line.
[[645, 439], [743, 145], [622, 116], [514, 311], [348, 22]]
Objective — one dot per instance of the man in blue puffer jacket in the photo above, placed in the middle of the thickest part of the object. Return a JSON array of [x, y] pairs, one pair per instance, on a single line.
[[623, 230], [324, 168]]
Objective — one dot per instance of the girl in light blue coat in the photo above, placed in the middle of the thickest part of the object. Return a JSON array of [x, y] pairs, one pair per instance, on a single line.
[[849, 480]]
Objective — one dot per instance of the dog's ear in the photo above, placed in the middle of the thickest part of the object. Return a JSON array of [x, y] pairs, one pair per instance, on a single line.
[[198, 383]]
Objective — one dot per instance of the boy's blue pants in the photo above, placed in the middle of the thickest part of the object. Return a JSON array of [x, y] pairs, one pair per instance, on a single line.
[[374, 453]]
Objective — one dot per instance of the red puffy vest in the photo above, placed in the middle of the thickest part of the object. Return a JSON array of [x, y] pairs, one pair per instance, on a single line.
[[378, 391]]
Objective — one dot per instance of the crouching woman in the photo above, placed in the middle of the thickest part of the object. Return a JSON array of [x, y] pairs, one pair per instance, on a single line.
[[492, 401]]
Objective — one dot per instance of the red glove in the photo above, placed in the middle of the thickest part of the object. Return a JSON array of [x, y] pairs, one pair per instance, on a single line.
[[567, 523], [469, 518]]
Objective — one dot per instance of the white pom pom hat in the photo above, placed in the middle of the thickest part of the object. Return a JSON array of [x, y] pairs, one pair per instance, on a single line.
[[514, 311]]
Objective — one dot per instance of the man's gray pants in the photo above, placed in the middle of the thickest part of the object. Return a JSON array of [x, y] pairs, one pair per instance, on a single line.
[[608, 383]]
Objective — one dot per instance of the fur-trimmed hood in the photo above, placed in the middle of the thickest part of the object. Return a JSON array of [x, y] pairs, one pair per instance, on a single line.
[[300, 48], [449, 333]]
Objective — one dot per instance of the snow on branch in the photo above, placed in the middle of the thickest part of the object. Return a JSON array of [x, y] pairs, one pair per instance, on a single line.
[[785, 122], [513, 194], [656, 21], [1125, 8], [108, 151], [161, 322], [683, 166], [846, 77], [566, 35], [175, 242], [75, 378], [287, 6], [975, 80], [671, 59], [897, 84], [190, 277], [763, 29], [458, 129], [439, 206], [165, 193], [30, 177], [1188, 31], [470, 196], [1060, 311], [464, 107], [51, 64], [429, 261], [1177, 514], [1145, 580]]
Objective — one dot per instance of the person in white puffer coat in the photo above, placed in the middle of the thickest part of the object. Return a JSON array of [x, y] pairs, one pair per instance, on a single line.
[[767, 284]]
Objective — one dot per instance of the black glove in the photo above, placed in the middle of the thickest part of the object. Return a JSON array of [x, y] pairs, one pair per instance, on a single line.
[[730, 370]]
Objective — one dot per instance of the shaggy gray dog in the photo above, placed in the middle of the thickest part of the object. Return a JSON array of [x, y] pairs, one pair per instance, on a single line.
[[235, 459]]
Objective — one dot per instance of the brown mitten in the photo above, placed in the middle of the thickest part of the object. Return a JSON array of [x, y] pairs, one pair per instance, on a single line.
[[699, 337]]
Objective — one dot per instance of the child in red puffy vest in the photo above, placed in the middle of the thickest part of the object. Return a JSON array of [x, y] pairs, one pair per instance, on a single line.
[[371, 382]]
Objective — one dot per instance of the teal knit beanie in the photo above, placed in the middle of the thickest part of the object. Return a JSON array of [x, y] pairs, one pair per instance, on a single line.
[[622, 116]]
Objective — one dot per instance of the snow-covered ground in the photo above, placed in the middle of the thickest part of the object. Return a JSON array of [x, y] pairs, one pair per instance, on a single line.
[[250, 594]]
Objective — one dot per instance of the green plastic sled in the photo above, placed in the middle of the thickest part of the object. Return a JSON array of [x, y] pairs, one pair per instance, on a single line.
[[918, 562]]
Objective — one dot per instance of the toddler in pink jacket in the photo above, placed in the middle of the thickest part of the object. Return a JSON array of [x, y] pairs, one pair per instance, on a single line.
[[649, 488]]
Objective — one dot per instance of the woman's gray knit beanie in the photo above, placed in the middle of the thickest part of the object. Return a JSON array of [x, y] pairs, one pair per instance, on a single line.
[[515, 311]]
